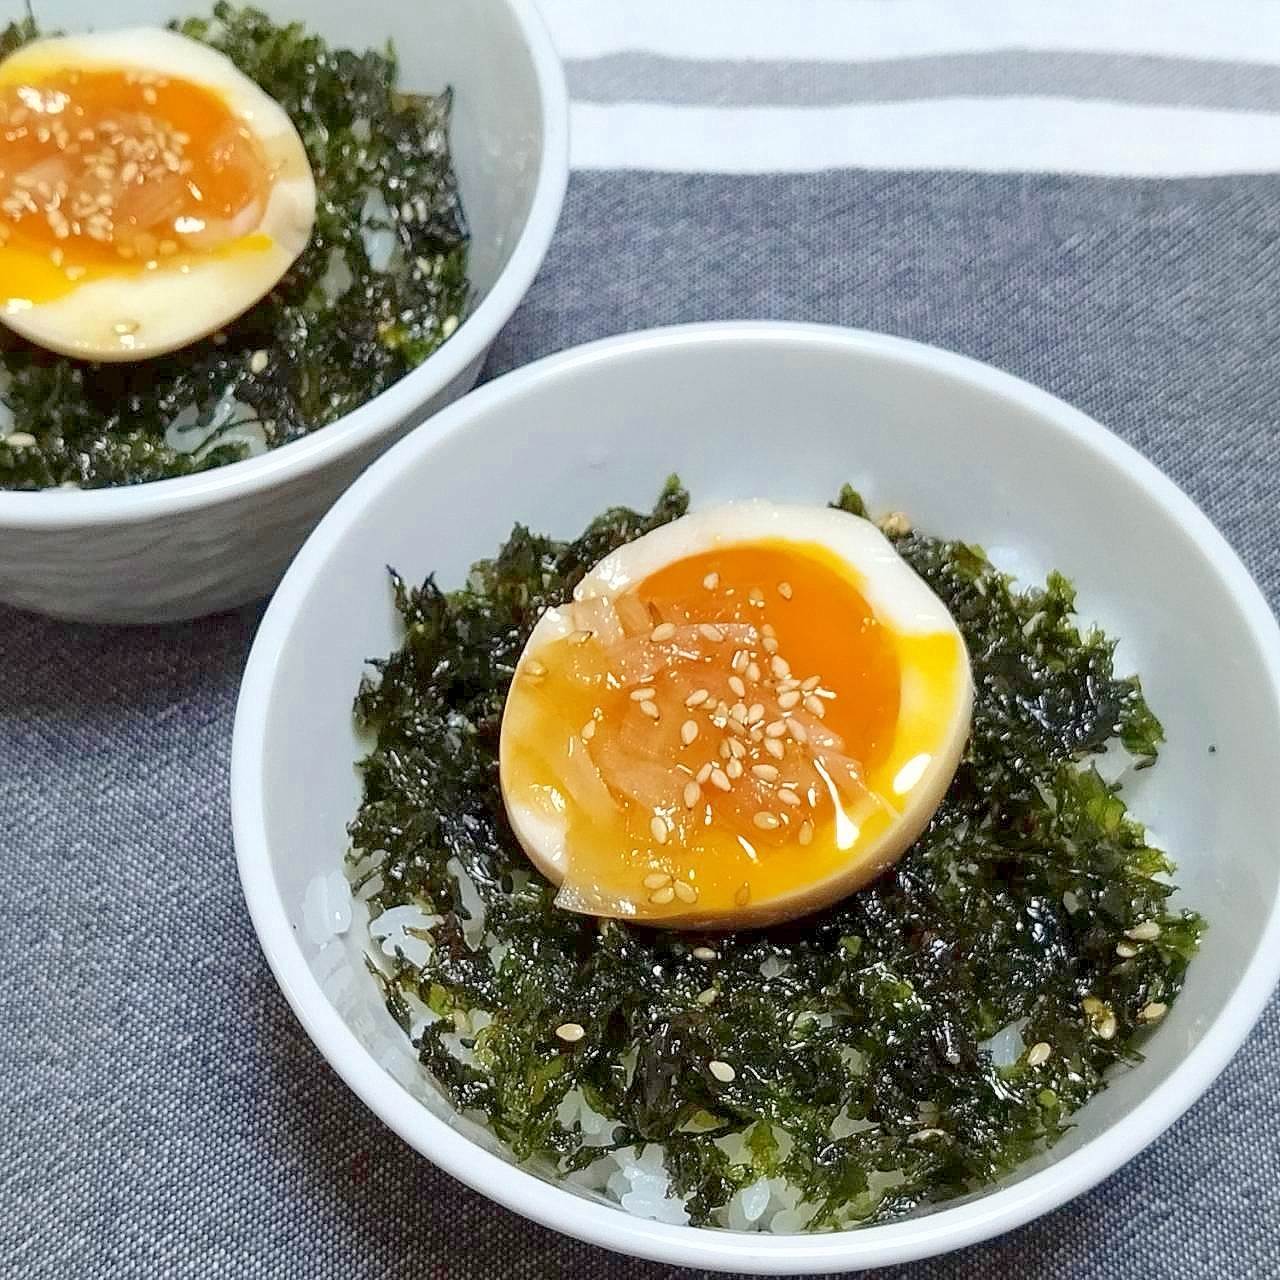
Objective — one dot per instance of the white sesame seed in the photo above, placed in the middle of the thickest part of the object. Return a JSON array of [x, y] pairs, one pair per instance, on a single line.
[[770, 644], [19, 439], [720, 780], [1102, 1022], [1038, 1054], [753, 672], [688, 731], [774, 748], [708, 996], [923, 1135], [740, 661], [811, 683], [814, 706], [660, 897], [797, 731], [1153, 1011], [787, 796], [768, 630], [692, 794], [722, 1071], [775, 728], [735, 683], [685, 891], [711, 632], [766, 821], [784, 590], [646, 694], [726, 751], [789, 699], [1126, 950], [697, 698], [656, 879], [658, 828], [258, 361], [650, 709], [1147, 931], [756, 596], [780, 667], [738, 712], [663, 631], [806, 833], [704, 773], [705, 953], [736, 749], [765, 772], [570, 1032], [588, 731], [711, 581], [734, 768]]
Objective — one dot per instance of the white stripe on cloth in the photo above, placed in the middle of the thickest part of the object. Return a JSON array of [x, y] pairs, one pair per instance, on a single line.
[[857, 30], [991, 135]]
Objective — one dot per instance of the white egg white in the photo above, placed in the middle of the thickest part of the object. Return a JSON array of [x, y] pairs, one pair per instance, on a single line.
[[889, 585], [919, 767], [172, 302]]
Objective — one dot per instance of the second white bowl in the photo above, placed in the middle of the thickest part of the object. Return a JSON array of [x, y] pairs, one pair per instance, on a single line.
[[184, 547], [787, 412]]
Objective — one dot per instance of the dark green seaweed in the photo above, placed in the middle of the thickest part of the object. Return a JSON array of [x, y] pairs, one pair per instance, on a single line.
[[381, 163], [861, 1069]]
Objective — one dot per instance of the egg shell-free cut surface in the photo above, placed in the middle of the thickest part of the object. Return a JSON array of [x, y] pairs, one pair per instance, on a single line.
[[139, 311], [820, 830]]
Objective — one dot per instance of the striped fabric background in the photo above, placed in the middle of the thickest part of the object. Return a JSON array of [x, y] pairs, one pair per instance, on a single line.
[[1080, 192], [1134, 88]]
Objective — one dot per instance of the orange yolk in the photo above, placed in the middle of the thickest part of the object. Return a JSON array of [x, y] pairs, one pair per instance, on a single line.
[[728, 748], [103, 172]]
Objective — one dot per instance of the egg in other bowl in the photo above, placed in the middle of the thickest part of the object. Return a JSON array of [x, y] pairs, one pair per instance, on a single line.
[[149, 193], [740, 717]]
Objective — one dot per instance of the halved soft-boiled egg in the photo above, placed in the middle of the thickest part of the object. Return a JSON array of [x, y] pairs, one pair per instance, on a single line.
[[149, 193], [741, 717]]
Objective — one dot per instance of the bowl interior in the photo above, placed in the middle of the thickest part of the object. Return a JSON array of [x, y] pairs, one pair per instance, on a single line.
[[787, 413]]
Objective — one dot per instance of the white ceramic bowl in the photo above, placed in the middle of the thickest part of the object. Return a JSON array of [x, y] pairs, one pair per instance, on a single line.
[[788, 412], [190, 546]]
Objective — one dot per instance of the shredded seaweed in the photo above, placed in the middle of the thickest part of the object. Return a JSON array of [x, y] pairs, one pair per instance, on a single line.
[[860, 1038], [380, 286]]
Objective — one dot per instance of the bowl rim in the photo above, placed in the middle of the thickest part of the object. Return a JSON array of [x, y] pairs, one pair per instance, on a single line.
[[128, 504], [946, 1228]]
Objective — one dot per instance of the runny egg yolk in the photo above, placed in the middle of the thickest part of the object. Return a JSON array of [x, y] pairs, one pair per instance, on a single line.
[[103, 172], [738, 737]]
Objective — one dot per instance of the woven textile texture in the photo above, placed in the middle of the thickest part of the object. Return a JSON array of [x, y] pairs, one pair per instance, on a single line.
[[161, 1113]]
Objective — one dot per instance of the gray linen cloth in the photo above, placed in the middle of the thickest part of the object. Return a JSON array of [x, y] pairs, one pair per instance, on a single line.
[[162, 1114]]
